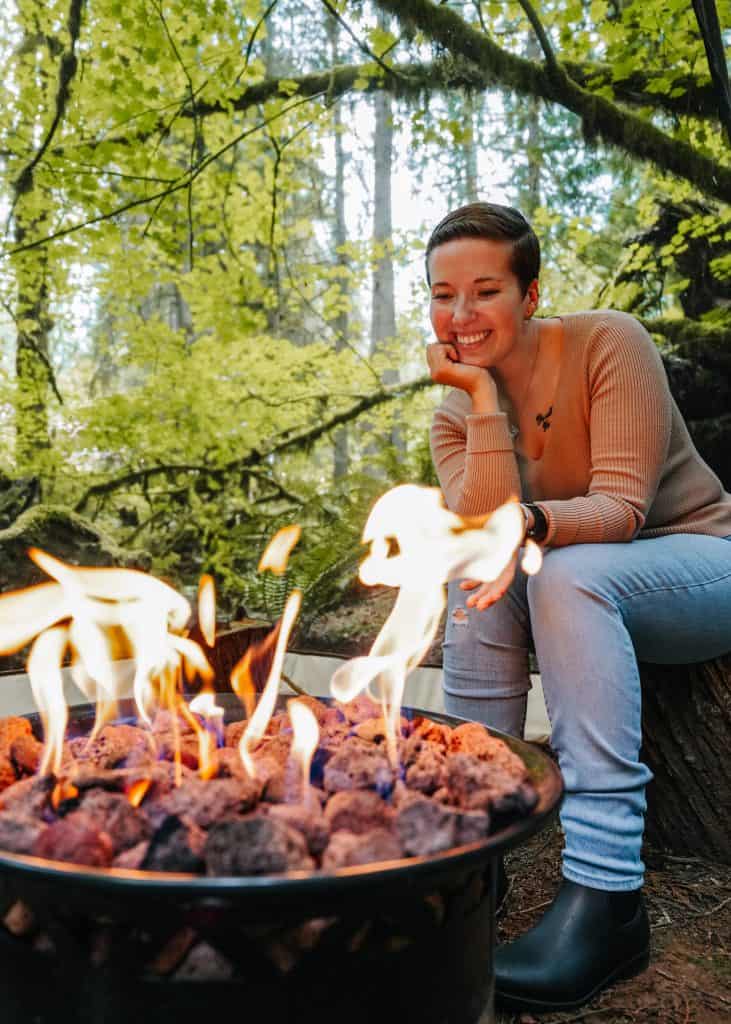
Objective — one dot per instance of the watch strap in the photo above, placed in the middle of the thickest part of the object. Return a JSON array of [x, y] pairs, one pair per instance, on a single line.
[[539, 531]]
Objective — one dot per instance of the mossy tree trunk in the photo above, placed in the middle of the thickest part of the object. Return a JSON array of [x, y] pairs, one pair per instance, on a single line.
[[686, 727]]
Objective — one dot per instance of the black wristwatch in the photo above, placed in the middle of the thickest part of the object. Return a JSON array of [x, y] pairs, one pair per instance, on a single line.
[[539, 530]]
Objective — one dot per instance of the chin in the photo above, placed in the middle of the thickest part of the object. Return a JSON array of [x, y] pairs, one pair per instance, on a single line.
[[474, 359]]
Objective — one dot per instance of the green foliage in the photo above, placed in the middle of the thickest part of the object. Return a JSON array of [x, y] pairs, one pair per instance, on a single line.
[[184, 323]]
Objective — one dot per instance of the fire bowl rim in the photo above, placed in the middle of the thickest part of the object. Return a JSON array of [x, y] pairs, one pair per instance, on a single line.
[[544, 772]]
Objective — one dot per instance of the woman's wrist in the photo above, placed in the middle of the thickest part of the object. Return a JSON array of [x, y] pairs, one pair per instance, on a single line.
[[484, 395], [536, 524]]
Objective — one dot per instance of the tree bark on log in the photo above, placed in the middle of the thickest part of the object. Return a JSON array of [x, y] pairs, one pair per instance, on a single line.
[[686, 724]]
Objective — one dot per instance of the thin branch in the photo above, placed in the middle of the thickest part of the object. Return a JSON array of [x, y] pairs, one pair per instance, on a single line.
[[358, 42], [543, 39], [252, 37]]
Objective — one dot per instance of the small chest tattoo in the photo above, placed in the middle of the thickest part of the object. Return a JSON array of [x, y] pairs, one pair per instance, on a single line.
[[543, 419]]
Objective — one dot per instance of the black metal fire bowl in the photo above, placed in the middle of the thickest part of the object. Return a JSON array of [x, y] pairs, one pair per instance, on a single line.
[[411, 940]]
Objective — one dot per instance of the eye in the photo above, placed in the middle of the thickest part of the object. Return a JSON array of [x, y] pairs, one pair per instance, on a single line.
[[487, 293], [441, 295]]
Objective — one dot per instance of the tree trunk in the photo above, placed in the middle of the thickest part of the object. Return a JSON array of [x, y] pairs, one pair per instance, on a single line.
[[383, 309], [383, 316], [686, 723], [341, 458], [32, 356]]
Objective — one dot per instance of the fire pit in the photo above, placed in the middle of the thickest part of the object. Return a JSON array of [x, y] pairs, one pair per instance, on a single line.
[[408, 939], [358, 930]]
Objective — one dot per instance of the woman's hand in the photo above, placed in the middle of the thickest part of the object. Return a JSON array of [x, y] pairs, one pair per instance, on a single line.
[[486, 594], [445, 368]]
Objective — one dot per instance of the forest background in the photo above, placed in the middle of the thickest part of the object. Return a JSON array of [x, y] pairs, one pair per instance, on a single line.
[[212, 307]]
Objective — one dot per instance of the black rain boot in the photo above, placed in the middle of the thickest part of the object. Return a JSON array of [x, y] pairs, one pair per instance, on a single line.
[[587, 939]]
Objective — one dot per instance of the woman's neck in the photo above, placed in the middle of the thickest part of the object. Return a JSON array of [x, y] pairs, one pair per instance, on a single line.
[[514, 375]]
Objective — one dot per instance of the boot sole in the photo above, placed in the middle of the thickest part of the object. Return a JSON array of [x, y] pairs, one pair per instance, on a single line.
[[633, 967]]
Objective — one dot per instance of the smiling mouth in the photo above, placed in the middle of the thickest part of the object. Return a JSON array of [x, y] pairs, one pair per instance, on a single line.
[[466, 340]]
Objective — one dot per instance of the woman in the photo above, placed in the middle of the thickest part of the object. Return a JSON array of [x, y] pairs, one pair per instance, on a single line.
[[573, 414]]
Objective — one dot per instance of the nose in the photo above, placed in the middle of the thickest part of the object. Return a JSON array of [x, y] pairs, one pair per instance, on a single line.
[[462, 311]]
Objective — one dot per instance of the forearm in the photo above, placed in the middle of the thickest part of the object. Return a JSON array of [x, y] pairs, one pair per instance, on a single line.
[[477, 470]]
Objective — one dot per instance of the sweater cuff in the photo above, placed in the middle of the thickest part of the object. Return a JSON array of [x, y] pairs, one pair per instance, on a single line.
[[488, 432]]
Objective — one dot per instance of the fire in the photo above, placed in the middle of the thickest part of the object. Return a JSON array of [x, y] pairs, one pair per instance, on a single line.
[[92, 615], [257, 724], [532, 558], [207, 609], [306, 738], [63, 790], [433, 546], [44, 672], [137, 791], [279, 548], [210, 736]]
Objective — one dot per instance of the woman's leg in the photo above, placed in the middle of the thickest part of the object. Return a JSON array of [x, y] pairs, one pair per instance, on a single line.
[[595, 609], [486, 676]]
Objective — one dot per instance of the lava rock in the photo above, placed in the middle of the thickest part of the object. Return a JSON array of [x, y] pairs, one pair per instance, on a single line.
[[357, 811], [424, 827], [358, 765], [346, 849], [19, 833], [177, 845], [115, 815], [75, 839], [255, 845]]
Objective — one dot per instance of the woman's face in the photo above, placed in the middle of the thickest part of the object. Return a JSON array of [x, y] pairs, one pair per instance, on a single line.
[[476, 301]]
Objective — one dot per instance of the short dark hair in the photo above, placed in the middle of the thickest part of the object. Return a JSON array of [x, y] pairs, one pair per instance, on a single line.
[[497, 223]]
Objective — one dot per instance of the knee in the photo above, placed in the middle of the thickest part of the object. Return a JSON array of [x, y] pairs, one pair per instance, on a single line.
[[567, 580]]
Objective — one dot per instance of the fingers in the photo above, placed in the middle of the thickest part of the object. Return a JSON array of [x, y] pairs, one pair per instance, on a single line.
[[487, 594], [469, 584]]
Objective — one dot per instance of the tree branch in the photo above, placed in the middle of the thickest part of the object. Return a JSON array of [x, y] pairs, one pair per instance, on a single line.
[[545, 42], [247, 465], [599, 116], [417, 79], [358, 42], [183, 183]]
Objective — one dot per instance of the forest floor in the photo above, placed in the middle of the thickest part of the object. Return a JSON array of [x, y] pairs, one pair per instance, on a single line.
[[688, 899]]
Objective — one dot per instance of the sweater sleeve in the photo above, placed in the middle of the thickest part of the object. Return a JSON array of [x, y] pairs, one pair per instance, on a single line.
[[629, 411], [474, 460]]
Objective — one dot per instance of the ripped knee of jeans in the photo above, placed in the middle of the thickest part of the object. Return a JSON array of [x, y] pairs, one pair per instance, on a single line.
[[460, 617]]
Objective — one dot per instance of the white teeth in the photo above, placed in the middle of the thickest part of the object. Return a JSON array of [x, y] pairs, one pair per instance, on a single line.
[[471, 339]]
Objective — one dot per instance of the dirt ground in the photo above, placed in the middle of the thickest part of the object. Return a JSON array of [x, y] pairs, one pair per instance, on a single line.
[[689, 900]]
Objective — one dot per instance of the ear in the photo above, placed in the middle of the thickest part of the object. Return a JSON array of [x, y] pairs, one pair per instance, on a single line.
[[531, 299]]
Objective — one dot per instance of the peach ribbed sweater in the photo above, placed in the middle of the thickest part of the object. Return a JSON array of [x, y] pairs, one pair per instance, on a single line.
[[618, 461]]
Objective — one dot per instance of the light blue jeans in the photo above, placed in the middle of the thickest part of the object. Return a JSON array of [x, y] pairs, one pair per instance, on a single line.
[[591, 612]]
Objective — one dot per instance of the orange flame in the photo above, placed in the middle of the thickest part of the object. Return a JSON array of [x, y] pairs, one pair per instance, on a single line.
[[207, 609], [434, 546], [306, 737], [278, 549], [258, 722], [63, 790], [138, 791]]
